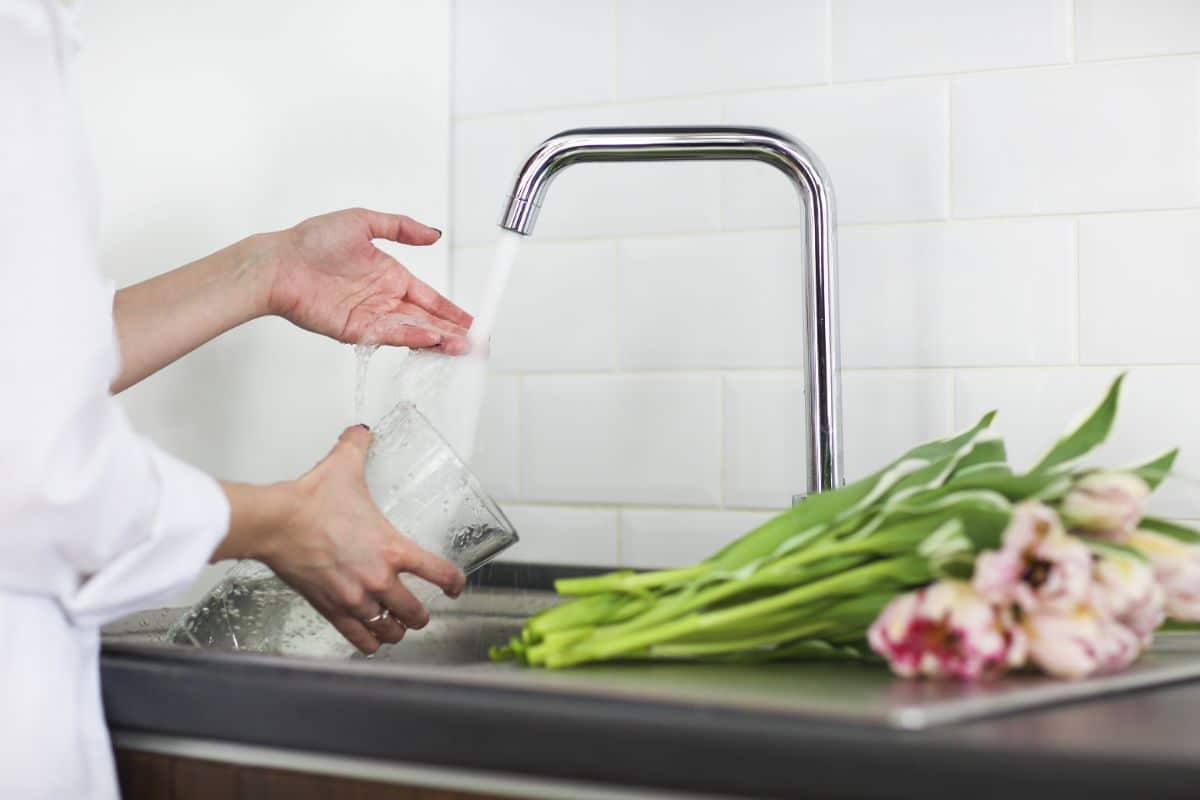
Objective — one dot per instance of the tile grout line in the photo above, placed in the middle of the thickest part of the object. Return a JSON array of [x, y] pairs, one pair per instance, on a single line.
[[722, 387], [616, 45], [949, 149], [1073, 34], [618, 526], [1196, 124], [1076, 297], [855, 370], [829, 42], [792, 87], [848, 226], [519, 478], [953, 383]]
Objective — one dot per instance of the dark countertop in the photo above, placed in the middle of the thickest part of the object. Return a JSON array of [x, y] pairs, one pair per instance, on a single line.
[[1145, 742]]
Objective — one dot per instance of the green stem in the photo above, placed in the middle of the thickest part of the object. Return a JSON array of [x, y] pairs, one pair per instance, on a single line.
[[628, 582], [701, 649], [906, 569], [685, 602]]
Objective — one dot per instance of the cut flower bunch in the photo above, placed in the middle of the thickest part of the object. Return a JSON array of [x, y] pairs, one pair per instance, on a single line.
[[945, 563]]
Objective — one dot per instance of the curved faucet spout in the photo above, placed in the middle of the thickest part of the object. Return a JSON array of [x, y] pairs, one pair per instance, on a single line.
[[729, 143]]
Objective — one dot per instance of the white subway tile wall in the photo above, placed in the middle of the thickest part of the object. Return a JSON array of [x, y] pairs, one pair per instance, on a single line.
[[950, 294], [765, 456], [657, 45], [1099, 137], [886, 39], [884, 145], [1121, 29], [711, 301], [559, 286], [1019, 205], [621, 438], [656, 537], [554, 535], [1139, 286]]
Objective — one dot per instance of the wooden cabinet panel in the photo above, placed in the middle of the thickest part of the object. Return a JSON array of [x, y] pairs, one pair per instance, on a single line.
[[150, 776]]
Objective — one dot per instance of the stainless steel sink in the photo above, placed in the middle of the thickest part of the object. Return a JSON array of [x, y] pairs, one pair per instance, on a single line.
[[454, 648], [459, 632]]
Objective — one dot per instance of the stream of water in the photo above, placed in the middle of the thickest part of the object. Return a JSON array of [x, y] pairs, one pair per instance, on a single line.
[[449, 390]]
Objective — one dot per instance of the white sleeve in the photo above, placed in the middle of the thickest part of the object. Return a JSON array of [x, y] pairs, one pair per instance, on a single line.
[[90, 512]]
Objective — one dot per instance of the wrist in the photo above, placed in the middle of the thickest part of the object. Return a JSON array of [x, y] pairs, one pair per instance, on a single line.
[[257, 262], [261, 517]]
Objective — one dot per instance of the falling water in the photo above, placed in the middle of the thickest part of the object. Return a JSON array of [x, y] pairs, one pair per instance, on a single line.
[[449, 390], [507, 247], [362, 356]]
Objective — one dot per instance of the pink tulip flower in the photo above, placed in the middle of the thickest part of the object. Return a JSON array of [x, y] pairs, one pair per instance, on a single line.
[[1078, 643], [946, 630], [1106, 503], [1177, 566], [1126, 590], [1038, 566]]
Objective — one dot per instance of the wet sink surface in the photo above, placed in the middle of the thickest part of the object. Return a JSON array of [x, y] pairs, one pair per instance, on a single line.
[[454, 648], [459, 632]]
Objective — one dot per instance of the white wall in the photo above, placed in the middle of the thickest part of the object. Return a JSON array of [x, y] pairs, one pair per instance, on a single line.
[[1020, 219], [215, 120]]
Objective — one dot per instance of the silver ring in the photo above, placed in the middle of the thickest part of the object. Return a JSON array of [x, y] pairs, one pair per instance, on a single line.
[[380, 617]]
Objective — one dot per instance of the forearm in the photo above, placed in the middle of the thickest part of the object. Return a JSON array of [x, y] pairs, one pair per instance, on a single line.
[[168, 316]]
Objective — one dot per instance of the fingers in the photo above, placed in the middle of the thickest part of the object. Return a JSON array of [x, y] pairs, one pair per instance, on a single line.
[[377, 615], [355, 441], [404, 606], [439, 571], [399, 228], [417, 328], [388, 630], [356, 633], [455, 345], [425, 296], [420, 337]]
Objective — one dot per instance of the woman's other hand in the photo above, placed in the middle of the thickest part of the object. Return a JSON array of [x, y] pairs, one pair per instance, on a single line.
[[324, 536], [327, 276]]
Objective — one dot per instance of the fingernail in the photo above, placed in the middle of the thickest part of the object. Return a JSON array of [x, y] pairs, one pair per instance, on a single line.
[[439, 230], [364, 426]]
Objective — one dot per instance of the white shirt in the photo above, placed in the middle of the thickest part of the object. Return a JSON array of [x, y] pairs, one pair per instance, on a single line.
[[95, 521]]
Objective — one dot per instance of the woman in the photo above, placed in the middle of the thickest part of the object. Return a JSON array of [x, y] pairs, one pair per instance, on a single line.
[[95, 521]]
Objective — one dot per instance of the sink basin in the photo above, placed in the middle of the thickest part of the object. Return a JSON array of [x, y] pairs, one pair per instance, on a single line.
[[453, 650], [459, 632]]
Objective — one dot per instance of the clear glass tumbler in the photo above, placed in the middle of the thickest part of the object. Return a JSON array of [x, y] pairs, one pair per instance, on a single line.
[[426, 492]]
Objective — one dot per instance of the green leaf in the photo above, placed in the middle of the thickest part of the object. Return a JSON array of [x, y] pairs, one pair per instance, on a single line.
[[1173, 529], [1033, 485], [986, 512], [1088, 435], [1154, 472], [986, 453], [1179, 626]]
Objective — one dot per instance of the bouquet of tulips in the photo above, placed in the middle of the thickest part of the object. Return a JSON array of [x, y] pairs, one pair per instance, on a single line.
[[945, 563]]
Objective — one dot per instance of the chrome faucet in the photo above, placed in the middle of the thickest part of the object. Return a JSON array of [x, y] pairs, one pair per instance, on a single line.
[[727, 143]]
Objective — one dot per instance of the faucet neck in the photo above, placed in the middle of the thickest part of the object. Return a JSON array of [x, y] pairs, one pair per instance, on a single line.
[[728, 143]]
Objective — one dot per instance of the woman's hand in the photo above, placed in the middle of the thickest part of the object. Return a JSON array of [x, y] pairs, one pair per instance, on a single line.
[[328, 277], [325, 537], [324, 275]]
